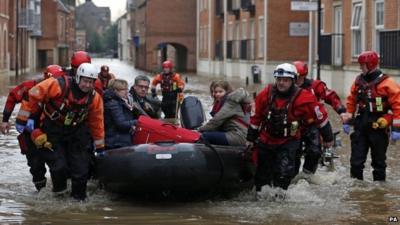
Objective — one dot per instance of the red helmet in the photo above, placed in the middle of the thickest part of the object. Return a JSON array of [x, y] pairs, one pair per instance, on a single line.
[[53, 71], [104, 68], [302, 68], [370, 58], [167, 64], [80, 57]]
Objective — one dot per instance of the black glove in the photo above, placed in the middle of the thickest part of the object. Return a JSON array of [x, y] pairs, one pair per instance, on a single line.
[[179, 90], [153, 93], [252, 134], [326, 132]]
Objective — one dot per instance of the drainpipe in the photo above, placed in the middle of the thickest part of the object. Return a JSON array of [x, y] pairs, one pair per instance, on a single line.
[[319, 41], [209, 37], [265, 39], [16, 38], [310, 43], [225, 38], [197, 34]]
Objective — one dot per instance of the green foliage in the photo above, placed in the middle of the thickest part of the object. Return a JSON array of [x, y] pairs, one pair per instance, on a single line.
[[106, 43]]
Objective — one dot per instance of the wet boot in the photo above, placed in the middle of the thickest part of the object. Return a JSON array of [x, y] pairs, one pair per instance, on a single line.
[[357, 173], [40, 184], [78, 191], [379, 175]]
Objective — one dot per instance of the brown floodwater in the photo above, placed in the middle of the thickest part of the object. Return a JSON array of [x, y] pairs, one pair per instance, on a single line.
[[339, 200]]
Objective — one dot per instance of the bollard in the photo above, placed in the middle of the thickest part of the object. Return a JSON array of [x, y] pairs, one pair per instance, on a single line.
[[186, 79], [254, 95], [247, 81]]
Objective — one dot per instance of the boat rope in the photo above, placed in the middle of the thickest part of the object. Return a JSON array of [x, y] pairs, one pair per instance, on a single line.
[[221, 161]]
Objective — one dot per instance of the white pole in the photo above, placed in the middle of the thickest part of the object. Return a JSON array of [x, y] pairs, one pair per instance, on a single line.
[[265, 40], [224, 41], [310, 44]]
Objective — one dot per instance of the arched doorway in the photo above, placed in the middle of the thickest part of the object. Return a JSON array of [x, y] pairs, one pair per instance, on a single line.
[[172, 51]]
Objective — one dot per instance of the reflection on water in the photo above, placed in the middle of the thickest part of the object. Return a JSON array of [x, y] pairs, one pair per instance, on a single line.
[[339, 200]]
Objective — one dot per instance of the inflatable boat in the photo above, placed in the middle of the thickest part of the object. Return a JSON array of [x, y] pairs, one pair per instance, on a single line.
[[170, 167]]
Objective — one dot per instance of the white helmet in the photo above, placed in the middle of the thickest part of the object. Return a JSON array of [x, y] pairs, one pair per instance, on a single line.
[[286, 70], [86, 70]]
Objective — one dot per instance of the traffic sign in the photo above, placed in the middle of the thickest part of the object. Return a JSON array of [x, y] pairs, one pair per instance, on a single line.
[[303, 6]]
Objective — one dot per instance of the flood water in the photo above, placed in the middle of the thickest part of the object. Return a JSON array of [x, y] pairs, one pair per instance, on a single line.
[[339, 200]]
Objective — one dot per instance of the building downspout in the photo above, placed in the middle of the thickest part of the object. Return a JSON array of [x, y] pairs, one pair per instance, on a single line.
[[197, 33], [209, 37], [265, 39], [310, 43], [225, 36]]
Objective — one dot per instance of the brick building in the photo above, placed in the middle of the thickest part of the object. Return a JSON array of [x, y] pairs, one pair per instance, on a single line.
[[57, 42], [265, 33], [20, 43], [164, 30], [350, 27], [252, 32], [4, 17]]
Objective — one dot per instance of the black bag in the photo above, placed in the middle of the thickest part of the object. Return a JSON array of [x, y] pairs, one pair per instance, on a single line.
[[192, 113]]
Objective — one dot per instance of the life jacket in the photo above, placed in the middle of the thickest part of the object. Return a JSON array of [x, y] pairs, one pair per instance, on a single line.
[[27, 86], [311, 85], [368, 99], [67, 110], [167, 83], [279, 122]]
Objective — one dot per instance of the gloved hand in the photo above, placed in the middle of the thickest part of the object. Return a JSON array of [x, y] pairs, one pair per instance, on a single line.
[[346, 117], [40, 139], [346, 128], [381, 123], [20, 128], [153, 93], [179, 90], [395, 135], [5, 127], [30, 125], [252, 134]]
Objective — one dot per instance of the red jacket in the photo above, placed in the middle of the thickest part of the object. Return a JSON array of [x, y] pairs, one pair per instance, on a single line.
[[16, 96], [322, 92], [302, 108]]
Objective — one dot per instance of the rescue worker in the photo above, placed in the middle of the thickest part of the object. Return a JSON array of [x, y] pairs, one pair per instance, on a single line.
[[19, 94], [373, 94], [73, 118], [143, 104], [104, 78], [77, 59], [279, 109], [171, 88], [310, 135], [230, 115]]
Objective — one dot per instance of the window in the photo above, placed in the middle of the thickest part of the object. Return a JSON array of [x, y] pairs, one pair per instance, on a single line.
[[379, 22], [230, 31], [260, 37], [244, 29], [322, 15], [356, 29], [237, 40], [252, 36], [201, 39]]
